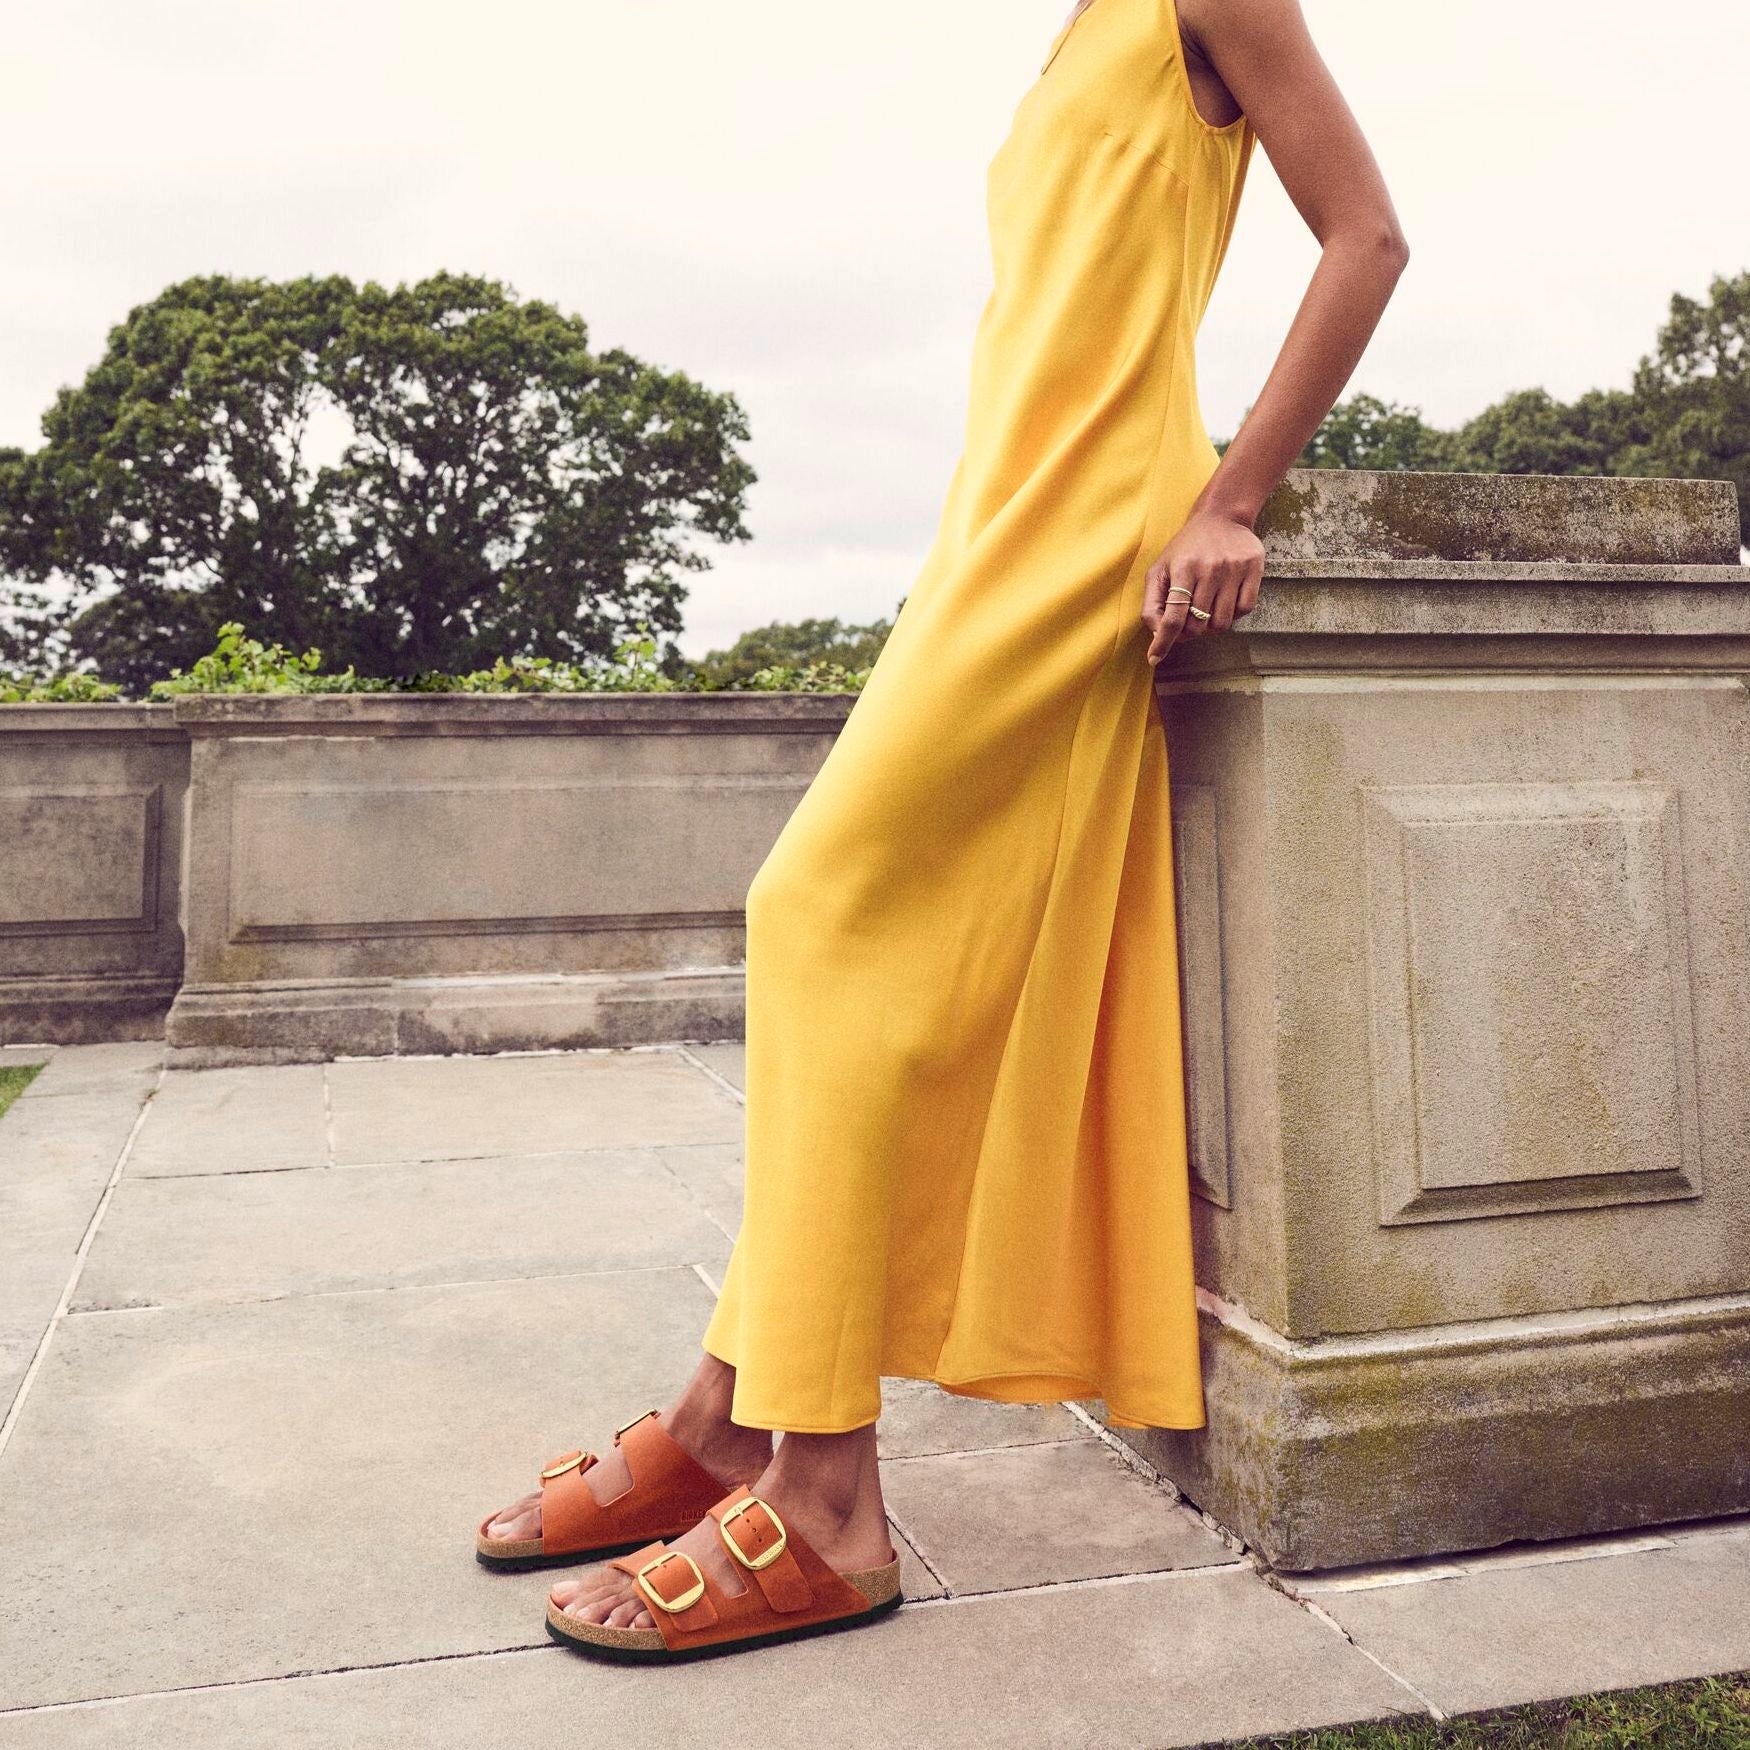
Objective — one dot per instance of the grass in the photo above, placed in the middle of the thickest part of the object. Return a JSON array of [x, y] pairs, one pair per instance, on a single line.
[[1710, 1712], [14, 1079]]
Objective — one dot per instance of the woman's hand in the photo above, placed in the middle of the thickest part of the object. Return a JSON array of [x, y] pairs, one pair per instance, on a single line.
[[1215, 563]]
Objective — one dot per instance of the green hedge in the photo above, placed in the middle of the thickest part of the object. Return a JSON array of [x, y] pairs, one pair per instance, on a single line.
[[239, 664]]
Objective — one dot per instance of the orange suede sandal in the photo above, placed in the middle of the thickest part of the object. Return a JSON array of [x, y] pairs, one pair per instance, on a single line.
[[790, 1593], [670, 1492]]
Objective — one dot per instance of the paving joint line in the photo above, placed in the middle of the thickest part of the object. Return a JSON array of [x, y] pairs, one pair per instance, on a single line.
[[689, 1194], [984, 1451], [1321, 1615], [328, 1119], [81, 1252], [917, 1549], [1132, 1459], [100, 1701], [99, 1312], [704, 1068], [1090, 1583]]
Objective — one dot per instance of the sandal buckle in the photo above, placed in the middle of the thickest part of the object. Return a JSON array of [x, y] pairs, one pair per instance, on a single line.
[[574, 1461], [642, 1416], [766, 1556], [690, 1597]]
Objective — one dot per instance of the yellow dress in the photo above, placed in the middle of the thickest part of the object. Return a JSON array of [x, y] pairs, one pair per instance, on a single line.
[[965, 1141]]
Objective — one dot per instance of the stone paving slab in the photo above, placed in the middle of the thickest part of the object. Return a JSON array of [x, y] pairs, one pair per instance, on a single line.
[[711, 1172], [234, 1121], [729, 1061], [56, 1157], [254, 1236], [1132, 1666], [919, 1418], [1510, 1632], [1036, 1515], [293, 1485], [400, 1109], [85, 1069]]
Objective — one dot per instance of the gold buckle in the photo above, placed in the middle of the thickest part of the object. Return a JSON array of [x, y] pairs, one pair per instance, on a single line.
[[577, 1461], [688, 1598], [643, 1417], [766, 1557]]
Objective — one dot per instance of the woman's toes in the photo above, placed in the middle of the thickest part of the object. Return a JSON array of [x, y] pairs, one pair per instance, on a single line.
[[570, 1593], [625, 1613]]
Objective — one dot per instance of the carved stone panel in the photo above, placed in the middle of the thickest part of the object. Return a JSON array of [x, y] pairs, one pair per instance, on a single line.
[[1533, 1044], [78, 859], [1198, 878], [321, 861]]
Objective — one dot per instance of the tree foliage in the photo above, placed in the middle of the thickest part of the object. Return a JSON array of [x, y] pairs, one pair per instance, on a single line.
[[426, 477], [792, 647]]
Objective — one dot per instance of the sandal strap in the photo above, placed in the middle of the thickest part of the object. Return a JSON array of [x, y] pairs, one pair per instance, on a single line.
[[786, 1585], [668, 1488]]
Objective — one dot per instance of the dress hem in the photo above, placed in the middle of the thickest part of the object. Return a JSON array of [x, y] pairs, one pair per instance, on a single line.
[[1030, 1387]]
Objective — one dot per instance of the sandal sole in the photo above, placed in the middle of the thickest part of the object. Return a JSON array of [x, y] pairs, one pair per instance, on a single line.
[[666, 1656], [575, 1559]]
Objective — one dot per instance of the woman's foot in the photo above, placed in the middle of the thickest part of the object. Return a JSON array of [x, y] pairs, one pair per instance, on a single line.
[[697, 1421], [826, 1486]]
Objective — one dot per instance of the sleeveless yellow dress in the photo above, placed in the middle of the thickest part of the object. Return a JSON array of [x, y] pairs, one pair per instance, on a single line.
[[965, 1143]]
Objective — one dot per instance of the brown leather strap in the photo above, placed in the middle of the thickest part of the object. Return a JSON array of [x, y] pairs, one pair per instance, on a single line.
[[793, 1589], [669, 1491]]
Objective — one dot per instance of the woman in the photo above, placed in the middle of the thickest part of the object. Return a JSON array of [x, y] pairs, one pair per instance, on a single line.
[[965, 1133]]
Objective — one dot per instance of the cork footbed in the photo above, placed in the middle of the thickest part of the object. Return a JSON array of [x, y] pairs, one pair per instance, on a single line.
[[646, 1645], [508, 1554]]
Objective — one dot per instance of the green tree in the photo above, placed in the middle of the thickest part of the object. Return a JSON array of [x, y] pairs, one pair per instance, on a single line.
[[1365, 432], [1695, 390], [798, 645], [428, 477], [1530, 432]]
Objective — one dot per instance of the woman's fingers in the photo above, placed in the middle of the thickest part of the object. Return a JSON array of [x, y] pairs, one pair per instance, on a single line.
[[1163, 610], [1250, 587]]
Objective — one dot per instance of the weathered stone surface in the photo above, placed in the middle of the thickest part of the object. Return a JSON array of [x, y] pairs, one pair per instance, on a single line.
[[56, 1157], [260, 1236], [711, 1172], [90, 851], [1155, 1663], [233, 1121], [919, 1418], [129, 1067], [1328, 514], [431, 1109], [293, 1485], [1336, 1451], [1469, 843], [729, 1061], [1501, 1635], [1042, 1514]]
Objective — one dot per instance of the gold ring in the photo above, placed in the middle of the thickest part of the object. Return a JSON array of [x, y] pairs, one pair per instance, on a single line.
[[1180, 589], [1198, 613]]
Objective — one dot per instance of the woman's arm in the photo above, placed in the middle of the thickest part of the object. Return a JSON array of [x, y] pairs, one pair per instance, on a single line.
[[1262, 52]]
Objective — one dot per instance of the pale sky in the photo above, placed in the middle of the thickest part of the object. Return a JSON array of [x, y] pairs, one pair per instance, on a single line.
[[785, 200]]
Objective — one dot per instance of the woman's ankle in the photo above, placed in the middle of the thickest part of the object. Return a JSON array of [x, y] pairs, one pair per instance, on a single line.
[[700, 1420]]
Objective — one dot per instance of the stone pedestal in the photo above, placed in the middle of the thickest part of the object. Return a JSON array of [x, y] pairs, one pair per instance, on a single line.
[[1463, 835]]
